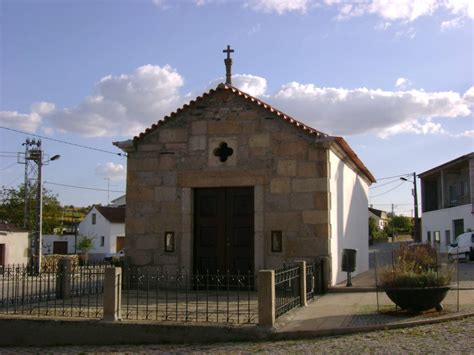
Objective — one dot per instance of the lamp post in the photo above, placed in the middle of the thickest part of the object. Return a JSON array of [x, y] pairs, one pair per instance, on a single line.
[[416, 233], [37, 156]]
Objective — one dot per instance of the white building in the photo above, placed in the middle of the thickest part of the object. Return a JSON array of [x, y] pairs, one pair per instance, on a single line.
[[13, 245], [59, 244], [106, 225], [447, 193], [349, 211], [119, 201], [380, 217]]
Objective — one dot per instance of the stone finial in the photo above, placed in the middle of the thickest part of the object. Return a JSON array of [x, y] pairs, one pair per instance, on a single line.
[[228, 65]]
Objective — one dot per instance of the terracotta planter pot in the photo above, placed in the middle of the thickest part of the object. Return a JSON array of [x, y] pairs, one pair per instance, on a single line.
[[418, 299]]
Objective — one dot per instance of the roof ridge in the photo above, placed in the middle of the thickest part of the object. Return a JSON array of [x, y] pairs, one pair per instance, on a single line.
[[287, 118]]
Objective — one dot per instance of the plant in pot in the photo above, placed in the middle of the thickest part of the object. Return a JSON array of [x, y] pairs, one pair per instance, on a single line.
[[416, 281]]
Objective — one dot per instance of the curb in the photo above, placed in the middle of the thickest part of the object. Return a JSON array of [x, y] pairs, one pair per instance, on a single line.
[[352, 289], [304, 334], [37, 332]]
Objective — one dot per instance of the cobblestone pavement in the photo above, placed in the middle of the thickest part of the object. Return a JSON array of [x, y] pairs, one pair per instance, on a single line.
[[454, 337]]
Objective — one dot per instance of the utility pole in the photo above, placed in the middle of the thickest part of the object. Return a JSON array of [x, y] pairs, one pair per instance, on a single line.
[[26, 210], [393, 225], [34, 156], [416, 231]]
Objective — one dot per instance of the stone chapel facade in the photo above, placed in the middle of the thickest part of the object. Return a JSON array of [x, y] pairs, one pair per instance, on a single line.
[[229, 182]]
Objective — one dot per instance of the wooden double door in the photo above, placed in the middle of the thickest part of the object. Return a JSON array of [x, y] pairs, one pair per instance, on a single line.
[[224, 230]]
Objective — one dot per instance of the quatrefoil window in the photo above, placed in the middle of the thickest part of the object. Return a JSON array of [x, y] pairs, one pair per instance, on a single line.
[[223, 151]]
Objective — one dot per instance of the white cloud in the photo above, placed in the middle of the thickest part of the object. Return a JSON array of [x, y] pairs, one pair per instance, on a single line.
[[123, 105], [251, 84], [404, 10], [452, 24], [110, 170], [409, 33], [402, 83], [460, 7], [465, 134], [400, 10], [279, 6], [127, 104], [382, 26], [355, 111], [469, 95], [26, 121]]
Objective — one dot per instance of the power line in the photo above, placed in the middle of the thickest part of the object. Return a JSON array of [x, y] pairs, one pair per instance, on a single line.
[[389, 204], [387, 183], [81, 187], [13, 180], [386, 192], [65, 142], [5, 168], [7, 156], [395, 176]]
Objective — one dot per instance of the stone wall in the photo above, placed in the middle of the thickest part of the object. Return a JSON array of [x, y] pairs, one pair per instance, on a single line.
[[288, 170]]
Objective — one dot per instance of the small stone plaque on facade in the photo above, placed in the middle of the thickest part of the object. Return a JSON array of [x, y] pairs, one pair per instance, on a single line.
[[277, 246], [169, 242]]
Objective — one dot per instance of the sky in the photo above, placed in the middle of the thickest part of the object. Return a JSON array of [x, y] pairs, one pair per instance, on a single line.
[[394, 77]]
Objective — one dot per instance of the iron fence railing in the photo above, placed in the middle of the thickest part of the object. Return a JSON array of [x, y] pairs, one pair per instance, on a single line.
[[151, 294], [287, 289], [76, 292], [310, 281]]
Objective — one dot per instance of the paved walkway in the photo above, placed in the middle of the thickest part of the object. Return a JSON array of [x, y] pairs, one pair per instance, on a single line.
[[381, 254], [336, 311]]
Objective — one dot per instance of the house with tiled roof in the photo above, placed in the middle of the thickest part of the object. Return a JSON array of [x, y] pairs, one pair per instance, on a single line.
[[228, 182], [106, 225], [380, 217]]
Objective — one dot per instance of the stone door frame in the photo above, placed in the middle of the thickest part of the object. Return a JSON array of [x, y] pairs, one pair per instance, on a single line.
[[186, 247]]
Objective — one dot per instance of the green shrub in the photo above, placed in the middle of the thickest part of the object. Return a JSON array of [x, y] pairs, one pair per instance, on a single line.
[[415, 266]]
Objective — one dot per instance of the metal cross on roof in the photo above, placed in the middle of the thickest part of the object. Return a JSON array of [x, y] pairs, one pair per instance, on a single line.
[[228, 65]]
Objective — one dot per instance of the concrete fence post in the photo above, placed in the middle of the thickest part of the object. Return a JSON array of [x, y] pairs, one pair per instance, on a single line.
[[266, 298], [112, 294], [63, 278], [302, 267]]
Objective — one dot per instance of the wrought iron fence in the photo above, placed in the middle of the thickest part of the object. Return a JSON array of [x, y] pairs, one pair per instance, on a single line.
[[310, 281], [287, 289], [151, 294], [76, 292]]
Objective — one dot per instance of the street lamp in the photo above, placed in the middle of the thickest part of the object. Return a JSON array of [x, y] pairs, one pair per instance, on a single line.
[[416, 233]]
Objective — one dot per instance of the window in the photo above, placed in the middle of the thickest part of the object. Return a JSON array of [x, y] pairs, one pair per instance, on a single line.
[[452, 194], [428, 237], [102, 241], [94, 218], [447, 237], [437, 237]]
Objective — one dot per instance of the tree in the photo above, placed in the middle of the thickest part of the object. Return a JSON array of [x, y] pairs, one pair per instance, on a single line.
[[402, 225], [85, 245], [374, 231], [12, 204]]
